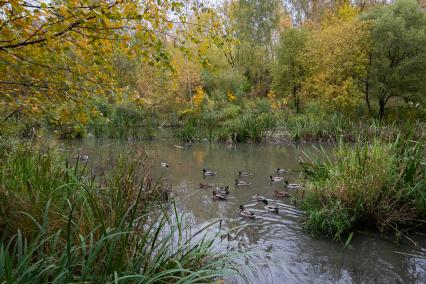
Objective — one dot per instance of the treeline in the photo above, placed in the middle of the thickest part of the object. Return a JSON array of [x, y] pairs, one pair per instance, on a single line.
[[75, 66]]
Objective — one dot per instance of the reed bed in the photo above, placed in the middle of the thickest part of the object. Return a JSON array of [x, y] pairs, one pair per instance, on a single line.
[[59, 223], [370, 183]]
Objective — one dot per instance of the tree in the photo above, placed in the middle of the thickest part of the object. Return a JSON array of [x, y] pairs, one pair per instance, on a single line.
[[290, 67], [338, 58], [255, 25], [397, 70], [55, 51]]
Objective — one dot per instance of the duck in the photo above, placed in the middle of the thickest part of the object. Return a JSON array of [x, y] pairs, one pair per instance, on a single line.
[[83, 158], [276, 178], [208, 173], [271, 208], [223, 189], [282, 171], [218, 196], [292, 185], [244, 174], [246, 213], [281, 193], [205, 185], [259, 197], [241, 183], [164, 165]]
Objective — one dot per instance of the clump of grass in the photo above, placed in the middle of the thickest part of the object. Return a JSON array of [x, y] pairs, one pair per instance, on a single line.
[[370, 183], [122, 121], [248, 128], [59, 224], [331, 128], [188, 132]]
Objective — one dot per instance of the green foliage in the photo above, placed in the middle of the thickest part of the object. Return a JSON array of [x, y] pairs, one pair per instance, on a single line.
[[188, 131], [398, 57], [255, 23], [290, 65], [59, 225], [377, 183]]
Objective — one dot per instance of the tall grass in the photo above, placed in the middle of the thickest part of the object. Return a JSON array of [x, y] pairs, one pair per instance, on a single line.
[[331, 128], [123, 121], [376, 183], [248, 128], [59, 224]]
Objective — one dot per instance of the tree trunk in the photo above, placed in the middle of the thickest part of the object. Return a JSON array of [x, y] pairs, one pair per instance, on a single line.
[[382, 103], [296, 99], [367, 85]]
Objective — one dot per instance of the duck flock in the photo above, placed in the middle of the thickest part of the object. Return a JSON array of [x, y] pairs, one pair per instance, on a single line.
[[221, 192]]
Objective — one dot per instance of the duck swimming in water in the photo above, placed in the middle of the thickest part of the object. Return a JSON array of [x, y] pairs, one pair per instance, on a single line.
[[281, 193], [246, 213], [218, 196], [208, 173], [271, 178], [223, 189], [259, 197], [292, 185], [244, 174], [241, 183], [282, 171], [271, 208], [164, 165]]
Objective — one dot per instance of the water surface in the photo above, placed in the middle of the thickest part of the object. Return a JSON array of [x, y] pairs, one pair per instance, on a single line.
[[279, 250]]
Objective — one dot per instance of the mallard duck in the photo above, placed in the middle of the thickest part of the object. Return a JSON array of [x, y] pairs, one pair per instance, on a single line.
[[223, 189], [218, 196], [205, 185], [164, 165], [271, 178], [83, 158], [244, 174], [241, 183], [292, 185], [282, 171], [271, 208], [208, 173], [246, 213], [259, 197], [281, 193]]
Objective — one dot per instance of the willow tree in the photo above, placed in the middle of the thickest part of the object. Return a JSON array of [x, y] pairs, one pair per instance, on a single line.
[[397, 70], [290, 69], [255, 25]]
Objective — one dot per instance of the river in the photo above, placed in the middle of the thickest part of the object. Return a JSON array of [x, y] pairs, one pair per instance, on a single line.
[[275, 247]]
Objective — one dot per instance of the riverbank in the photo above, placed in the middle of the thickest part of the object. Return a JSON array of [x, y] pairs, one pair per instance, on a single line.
[[62, 222], [343, 134]]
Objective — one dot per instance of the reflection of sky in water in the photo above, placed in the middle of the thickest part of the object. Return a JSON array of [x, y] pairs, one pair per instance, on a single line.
[[279, 250]]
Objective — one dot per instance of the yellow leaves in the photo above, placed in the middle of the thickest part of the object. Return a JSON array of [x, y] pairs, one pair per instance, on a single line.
[[344, 14], [230, 96], [276, 103], [65, 51], [347, 13], [338, 59], [199, 97]]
